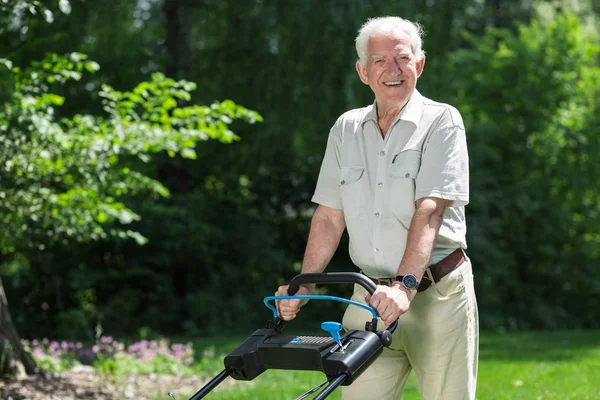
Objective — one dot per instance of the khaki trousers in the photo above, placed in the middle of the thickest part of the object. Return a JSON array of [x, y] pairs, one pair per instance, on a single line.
[[438, 337]]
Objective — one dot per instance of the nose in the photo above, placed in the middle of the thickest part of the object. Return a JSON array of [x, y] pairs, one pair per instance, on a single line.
[[395, 67]]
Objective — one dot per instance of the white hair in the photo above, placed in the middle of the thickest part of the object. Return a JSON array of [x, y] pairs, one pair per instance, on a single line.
[[389, 26]]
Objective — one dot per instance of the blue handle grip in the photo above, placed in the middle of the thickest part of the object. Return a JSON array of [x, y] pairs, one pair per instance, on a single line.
[[315, 297]]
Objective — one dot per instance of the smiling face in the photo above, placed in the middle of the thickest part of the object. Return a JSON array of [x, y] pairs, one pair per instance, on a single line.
[[391, 71]]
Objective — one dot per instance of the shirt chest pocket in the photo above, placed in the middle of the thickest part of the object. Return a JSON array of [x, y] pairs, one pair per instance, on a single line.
[[350, 183], [403, 173], [406, 164]]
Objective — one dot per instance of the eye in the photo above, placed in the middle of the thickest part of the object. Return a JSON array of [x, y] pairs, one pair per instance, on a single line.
[[378, 61]]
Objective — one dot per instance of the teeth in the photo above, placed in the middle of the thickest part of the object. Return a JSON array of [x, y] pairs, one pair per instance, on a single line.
[[393, 83]]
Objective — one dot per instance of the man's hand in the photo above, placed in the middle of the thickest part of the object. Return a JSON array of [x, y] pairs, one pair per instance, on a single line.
[[287, 309], [390, 302]]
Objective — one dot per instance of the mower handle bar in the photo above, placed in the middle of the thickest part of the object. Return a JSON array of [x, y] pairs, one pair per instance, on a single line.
[[331, 277]]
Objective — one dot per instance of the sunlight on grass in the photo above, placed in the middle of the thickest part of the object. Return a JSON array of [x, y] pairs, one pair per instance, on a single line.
[[540, 366], [286, 385], [514, 366]]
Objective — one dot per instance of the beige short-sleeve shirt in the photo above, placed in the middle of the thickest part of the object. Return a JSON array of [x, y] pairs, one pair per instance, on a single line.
[[377, 180]]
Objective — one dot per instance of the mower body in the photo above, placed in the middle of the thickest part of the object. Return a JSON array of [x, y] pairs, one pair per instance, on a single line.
[[268, 349]]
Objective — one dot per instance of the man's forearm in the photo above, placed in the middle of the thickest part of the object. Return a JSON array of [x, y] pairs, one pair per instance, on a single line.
[[422, 234], [326, 230]]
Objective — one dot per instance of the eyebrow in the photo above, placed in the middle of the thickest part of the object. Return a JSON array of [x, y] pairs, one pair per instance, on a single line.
[[404, 54]]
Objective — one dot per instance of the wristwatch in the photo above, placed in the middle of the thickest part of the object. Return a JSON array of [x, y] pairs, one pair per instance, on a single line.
[[409, 281]]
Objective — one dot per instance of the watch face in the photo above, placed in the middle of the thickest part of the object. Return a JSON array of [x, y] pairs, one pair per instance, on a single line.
[[410, 281]]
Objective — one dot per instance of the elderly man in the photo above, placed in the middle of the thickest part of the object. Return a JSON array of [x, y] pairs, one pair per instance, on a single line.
[[395, 174]]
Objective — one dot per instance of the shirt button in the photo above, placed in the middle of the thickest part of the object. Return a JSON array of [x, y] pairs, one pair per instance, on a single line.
[[407, 175], [382, 153], [376, 249], [380, 184], [376, 215], [342, 182]]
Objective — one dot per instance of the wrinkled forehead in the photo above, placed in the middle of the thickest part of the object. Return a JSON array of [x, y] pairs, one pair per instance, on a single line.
[[384, 44]]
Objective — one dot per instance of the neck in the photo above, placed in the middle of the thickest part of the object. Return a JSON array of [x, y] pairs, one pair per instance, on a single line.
[[385, 112], [386, 115]]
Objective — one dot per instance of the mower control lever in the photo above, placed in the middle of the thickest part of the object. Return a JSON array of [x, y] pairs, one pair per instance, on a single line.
[[316, 297], [334, 329]]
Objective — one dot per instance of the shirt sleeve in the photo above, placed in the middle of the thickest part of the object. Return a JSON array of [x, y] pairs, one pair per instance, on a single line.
[[444, 171], [327, 192]]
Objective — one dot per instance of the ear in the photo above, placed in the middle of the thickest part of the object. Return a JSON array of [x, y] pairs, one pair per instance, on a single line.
[[362, 73], [420, 66]]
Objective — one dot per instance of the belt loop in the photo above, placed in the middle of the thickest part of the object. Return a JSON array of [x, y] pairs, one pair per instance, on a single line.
[[430, 276]]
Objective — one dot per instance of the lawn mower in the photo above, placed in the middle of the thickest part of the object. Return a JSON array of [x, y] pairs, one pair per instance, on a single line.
[[342, 358]]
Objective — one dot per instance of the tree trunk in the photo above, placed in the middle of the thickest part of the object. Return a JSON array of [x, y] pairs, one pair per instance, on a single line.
[[14, 360], [177, 20], [170, 10]]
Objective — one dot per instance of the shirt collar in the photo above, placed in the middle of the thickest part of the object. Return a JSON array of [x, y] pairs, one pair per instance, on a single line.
[[411, 112]]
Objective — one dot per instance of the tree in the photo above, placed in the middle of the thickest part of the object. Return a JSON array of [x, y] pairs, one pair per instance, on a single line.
[[67, 180], [530, 102]]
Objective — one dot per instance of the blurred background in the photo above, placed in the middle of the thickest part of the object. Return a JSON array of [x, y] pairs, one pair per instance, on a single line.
[[225, 222]]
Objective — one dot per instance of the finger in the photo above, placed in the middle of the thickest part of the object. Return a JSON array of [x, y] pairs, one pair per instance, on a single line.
[[281, 291], [389, 318], [283, 307], [290, 304], [392, 318], [383, 310], [373, 300], [384, 314], [288, 307], [288, 316]]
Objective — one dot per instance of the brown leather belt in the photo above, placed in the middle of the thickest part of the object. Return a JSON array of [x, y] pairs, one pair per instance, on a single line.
[[438, 270]]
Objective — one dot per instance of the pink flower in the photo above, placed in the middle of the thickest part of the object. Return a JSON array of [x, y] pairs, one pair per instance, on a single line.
[[106, 339]]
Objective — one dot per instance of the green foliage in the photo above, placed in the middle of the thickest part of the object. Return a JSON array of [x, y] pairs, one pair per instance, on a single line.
[[53, 356], [63, 179], [54, 364], [530, 101], [114, 358], [235, 222], [123, 365], [19, 10]]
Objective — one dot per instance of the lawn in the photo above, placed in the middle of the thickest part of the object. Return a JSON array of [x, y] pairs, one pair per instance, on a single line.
[[527, 365]]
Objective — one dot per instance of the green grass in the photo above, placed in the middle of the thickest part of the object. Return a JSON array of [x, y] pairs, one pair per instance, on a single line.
[[528, 365]]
